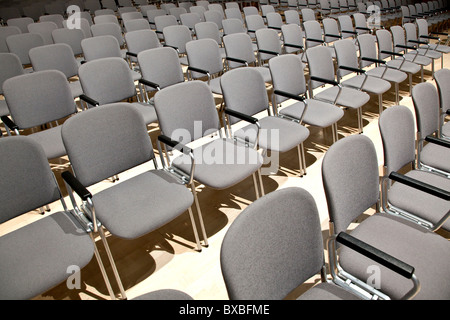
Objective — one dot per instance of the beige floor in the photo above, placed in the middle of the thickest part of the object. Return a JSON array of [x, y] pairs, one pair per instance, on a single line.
[[166, 258]]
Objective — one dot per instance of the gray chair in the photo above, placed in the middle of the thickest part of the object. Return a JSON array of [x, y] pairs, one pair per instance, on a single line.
[[268, 132], [109, 80], [288, 79], [131, 208], [442, 79], [152, 14], [190, 19], [72, 37], [351, 183], [269, 44], [321, 70], [57, 57], [48, 98], [36, 257], [111, 29], [22, 23], [276, 245], [176, 36], [56, 18], [426, 200], [210, 30], [106, 18], [433, 155], [5, 32], [44, 29], [437, 44], [368, 57], [348, 64], [20, 44], [136, 24], [254, 23], [162, 21], [140, 40], [293, 40], [187, 113], [314, 36]]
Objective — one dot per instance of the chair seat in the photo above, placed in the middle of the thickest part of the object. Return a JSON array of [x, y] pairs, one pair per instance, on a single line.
[[39, 254], [420, 203], [436, 156], [405, 66], [348, 97], [421, 60], [401, 239], [327, 291], [214, 84], [4, 111], [75, 87], [446, 130], [148, 111], [221, 163], [124, 208], [440, 47], [391, 75], [51, 141], [293, 134], [135, 75], [372, 84], [430, 53], [318, 113], [164, 294], [265, 72]]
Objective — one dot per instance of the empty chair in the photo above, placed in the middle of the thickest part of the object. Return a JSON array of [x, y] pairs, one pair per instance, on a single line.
[[433, 155], [109, 80], [292, 17], [48, 98], [308, 14], [442, 78], [190, 19], [293, 41], [321, 70], [177, 11], [167, 6], [360, 176], [56, 18], [92, 5], [72, 37], [254, 23], [233, 13], [288, 79], [109, 5], [111, 29], [152, 14], [314, 36], [146, 7], [250, 10], [20, 44], [164, 21], [269, 44], [361, 25], [274, 21], [214, 16], [423, 201], [346, 27], [4, 33], [233, 25], [136, 24], [239, 50], [424, 35], [187, 113], [331, 31], [209, 30], [177, 36], [140, 40], [347, 62], [270, 133], [22, 23], [44, 29], [49, 245], [368, 56], [131, 15], [199, 10]]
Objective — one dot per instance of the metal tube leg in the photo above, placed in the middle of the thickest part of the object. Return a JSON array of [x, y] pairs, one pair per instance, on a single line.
[[410, 84], [102, 269], [113, 264], [199, 213], [261, 182], [256, 185], [397, 97], [380, 103], [194, 228]]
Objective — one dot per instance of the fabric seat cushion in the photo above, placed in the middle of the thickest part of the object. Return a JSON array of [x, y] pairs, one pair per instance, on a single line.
[[327, 291], [147, 110], [405, 66], [436, 156], [50, 139], [372, 84], [390, 74], [76, 88], [348, 97]]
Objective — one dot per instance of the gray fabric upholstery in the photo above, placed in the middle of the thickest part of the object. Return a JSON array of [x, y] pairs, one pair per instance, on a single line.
[[442, 78], [4, 111], [20, 44], [112, 29], [5, 32], [268, 39], [140, 40], [164, 294], [44, 29], [22, 23], [10, 66], [54, 56], [327, 291], [100, 47], [398, 37], [72, 37]]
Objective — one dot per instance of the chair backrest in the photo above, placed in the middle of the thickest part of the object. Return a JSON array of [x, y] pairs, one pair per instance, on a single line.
[[264, 241], [141, 40], [292, 34], [56, 18], [72, 37], [398, 37], [100, 47], [330, 27], [54, 56], [204, 54], [111, 29], [136, 24], [384, 40], [266, 8], [250, 10], [268, 39], [360, 22], [161, 66], [184, 108], [217, 7], [177, 11], [20, 44], [153, 13], [346, 24], [350, 179], [422, 29], [232, 25], [244, 91], [146, 7], [287, 75], [4, 33], [167, 6], [107, 80], [274, 20], [308, 15], [312, 31], [345, 56], [84, 132], [254, 22], [109, 5], [411, 33], [177, 36], [320, 63], [367, 48], [214, 16], [22, 23], [442, 78], [132, 15], [106, 18], [239, 46], [208, 30], [44, 29], [233, 13], [161, 22], [10, 66], [48, 98], [190, 19], [426, 105], [292, 16], [27, 184], [397, 129], [199, 10]]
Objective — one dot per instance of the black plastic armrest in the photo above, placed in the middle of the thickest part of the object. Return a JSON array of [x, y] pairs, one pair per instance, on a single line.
[[197, 70], [440, 33], [348, 31], [375, 254], [241, 116], [9, 123], [335, 8], [357, 70], [332, 82], [273, 27], [430, 189], [236, 60], [440, 142], [83, 61], [405, 47], [131, 54], [76, 185], [268, 52], [325, 9], [174, 144], [288, 95], [373, 60], [158, 31], [315, 40], [448, 112], [89, 100], [149, 83], [429, 37], [298, 46], [252, 31], [418, 41], [333, 35], [362, 28], [166, 45], [392, 53]]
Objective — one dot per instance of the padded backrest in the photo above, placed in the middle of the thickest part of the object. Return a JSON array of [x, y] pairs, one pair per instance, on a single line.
[[20, 44], [4, 33], [214, 16], [330, 26], [292, 34], [239, 45], [140, 40], [186, 111], [44, 29], [273, 247], [100, 47], [367, 48], [292, 17], [320, 63], [346, 24], [384, 40], [10, 66], [107, 80], [72, 37], [233, 13], [47, 98], [204, 54], [112, 29], [398, 37], [54, 56], [268, 39], [308, 14], [22, 23], [26, 179], [442, 78], [350, 179], [190, 19], [232, 25], [426, 105], [56, 18], [208, 30], [105, 141], [136, 24], [177, 36], [397, 130], [274, 20], [345, 56], [244, 91], [411, 33], [312, 31], [287, 75]]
